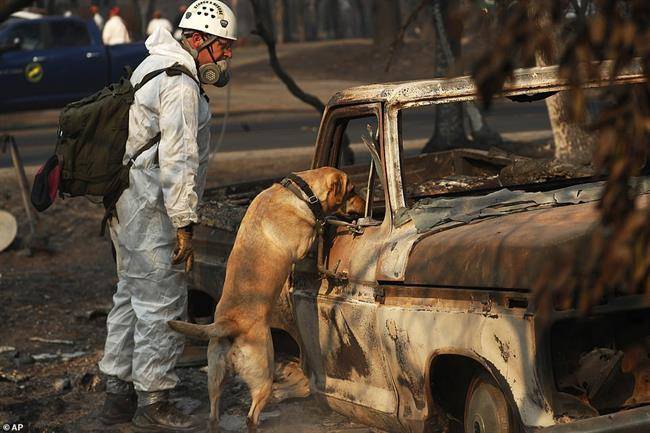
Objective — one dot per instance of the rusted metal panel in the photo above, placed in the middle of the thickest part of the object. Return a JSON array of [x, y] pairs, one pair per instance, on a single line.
[[366, 415], [369, 355], [500, 339], [507, 252], [340, 343], [394, 253]]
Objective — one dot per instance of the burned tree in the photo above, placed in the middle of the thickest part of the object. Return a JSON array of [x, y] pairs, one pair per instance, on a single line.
[[263, 30], [574, 144], [386, 22], [449, 130]]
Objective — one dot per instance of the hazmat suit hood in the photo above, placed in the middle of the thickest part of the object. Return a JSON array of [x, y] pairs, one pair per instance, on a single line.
[[162, 43]]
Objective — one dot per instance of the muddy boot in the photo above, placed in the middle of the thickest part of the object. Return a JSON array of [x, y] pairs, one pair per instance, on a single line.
[[157, 414], [120, 403]]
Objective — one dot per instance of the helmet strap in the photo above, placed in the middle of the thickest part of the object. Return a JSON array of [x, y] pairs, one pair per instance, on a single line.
[[206, 43], [194, 52]]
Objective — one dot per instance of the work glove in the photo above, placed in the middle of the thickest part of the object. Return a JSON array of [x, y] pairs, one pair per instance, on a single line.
[[183, 251]]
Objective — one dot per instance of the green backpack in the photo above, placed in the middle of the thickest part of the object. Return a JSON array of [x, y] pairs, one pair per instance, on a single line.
[[92, 139]]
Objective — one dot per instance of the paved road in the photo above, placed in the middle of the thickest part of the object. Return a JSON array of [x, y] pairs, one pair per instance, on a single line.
[[250, 132]]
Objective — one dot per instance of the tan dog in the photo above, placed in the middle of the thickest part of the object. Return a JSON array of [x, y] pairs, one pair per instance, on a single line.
[[277, 231]]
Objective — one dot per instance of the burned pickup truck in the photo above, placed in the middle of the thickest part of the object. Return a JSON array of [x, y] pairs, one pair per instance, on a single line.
[[419, 317]]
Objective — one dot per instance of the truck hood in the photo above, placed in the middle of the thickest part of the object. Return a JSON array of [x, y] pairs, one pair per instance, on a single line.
[[505, 251]]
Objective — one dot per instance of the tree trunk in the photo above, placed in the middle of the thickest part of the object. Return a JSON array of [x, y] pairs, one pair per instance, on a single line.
[[449, 130], [137, 30], [386, 22], [311, 20], [51, 7], [278, 21], [329, 17], [361, 14], [299, 16], [426, 26], [151, 7], [573, 143]]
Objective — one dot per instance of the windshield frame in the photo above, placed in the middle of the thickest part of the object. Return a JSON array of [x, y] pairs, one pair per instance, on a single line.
[[448, 94]]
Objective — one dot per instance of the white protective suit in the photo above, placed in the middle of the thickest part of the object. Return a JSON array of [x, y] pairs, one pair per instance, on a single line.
[[115, 31], [162, 196], [99, 20]]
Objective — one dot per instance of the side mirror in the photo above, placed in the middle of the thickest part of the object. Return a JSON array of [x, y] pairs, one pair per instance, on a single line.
[[11, 45]]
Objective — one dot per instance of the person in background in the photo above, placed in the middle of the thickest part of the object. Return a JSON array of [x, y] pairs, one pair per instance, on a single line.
[[115, 31], [158, 21], [99, 20]]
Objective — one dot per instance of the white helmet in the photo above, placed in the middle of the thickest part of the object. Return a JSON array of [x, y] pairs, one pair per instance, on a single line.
[[212, 17]]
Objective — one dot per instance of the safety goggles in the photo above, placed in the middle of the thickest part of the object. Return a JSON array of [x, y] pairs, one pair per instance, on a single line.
[[225, 45]]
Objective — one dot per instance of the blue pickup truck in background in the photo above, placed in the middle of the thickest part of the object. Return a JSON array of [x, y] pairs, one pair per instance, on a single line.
[[50, 61]]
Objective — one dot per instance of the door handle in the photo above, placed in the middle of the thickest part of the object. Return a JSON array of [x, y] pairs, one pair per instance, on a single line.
[[92, 54], [39, 59]]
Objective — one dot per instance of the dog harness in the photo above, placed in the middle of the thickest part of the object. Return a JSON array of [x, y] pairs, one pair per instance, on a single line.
[[301, 189]]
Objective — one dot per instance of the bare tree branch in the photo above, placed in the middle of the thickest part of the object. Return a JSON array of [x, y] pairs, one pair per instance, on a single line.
[[263, 31], [402, 32]]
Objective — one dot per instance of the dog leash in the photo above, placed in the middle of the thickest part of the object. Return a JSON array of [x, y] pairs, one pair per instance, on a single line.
[[302, 190]]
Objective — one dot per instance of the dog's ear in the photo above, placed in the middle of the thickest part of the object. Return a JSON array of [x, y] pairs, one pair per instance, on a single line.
[[336, 189]]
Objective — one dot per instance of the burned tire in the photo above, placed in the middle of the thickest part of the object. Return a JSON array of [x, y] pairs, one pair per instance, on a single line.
[[486, 408]]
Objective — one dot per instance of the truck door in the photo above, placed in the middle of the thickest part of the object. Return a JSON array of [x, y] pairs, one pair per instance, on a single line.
[[76, 66], [21, 72], [346, 357]]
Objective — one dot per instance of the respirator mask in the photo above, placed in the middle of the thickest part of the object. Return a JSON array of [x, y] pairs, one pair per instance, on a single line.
[[215, 73]]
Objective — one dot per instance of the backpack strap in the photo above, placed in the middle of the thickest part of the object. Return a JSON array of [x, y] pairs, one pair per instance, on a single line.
[[177, 69], [155, 139], [110, 199], [173, 70]]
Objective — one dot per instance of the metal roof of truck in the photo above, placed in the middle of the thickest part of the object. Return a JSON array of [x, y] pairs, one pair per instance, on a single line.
[[526, 81]]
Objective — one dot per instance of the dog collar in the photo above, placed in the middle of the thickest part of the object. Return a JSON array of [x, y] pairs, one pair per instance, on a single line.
[[307, 196]]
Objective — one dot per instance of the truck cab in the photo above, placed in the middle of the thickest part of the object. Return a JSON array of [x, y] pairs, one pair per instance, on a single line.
[[50, 61], [420, 316]]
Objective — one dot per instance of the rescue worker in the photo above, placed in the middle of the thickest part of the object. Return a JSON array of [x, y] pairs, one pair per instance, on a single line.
[[152, 233], [97, 17], [158, 21], [115, 31]]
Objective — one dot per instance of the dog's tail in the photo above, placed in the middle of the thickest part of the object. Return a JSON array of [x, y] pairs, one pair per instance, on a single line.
[[203, 332]]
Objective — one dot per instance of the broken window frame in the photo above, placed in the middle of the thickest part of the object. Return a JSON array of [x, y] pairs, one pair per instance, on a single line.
[[328, 153], [336, 122]]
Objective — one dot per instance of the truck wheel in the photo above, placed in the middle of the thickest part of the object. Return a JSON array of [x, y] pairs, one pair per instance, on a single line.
[[486, 408]]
